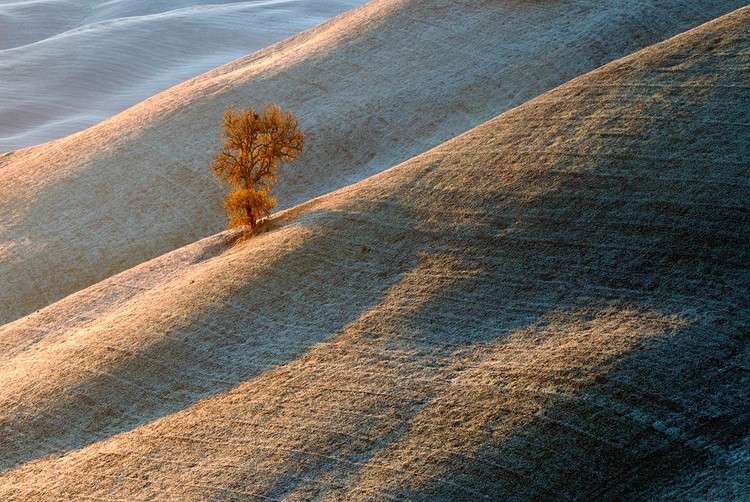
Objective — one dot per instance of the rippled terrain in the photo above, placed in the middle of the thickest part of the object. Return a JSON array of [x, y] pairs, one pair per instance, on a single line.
[[66, 65]]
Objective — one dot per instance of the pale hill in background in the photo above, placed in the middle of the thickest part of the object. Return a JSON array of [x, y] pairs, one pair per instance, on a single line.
[[552, 305], [373, 88], [66, 66]]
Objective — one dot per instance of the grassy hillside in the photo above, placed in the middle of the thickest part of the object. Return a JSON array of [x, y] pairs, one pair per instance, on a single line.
[[551, 305], [373, 88]]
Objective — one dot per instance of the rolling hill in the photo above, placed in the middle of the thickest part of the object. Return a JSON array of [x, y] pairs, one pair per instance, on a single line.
[[551, 305], [373, 87], [67, 65]]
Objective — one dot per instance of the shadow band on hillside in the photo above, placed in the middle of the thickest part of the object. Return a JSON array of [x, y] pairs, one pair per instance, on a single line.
[[272, 318]]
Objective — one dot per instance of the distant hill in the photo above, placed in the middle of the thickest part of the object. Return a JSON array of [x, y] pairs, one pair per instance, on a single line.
[[66, 66], [551, 306], [373, 88]]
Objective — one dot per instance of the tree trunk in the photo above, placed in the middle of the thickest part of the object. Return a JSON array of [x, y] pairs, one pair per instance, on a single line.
[[250, 217]]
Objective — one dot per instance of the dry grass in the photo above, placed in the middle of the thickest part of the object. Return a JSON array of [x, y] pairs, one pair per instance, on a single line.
[[553, 305]]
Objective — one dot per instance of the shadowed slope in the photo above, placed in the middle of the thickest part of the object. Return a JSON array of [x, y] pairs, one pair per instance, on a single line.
[[373, 88], [69, 65], [551, 305]]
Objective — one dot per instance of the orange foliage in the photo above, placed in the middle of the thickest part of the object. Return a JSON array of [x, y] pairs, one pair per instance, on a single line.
[[253, 144]]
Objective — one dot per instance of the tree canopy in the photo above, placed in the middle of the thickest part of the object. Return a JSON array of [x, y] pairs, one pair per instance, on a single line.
[[253, 144]]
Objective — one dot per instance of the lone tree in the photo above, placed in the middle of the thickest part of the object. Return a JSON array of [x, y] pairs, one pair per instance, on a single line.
[[253, 145]]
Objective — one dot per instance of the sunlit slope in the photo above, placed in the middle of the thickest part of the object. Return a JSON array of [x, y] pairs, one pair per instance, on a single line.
[[552, 305], [373, 87]]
